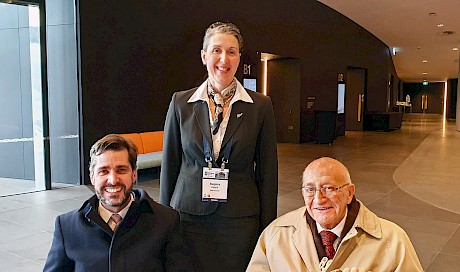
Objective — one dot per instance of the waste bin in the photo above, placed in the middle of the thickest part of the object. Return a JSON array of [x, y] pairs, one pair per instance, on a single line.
[[325, 126]]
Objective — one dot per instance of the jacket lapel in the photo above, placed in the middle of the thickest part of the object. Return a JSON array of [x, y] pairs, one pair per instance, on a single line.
[[131, 217], [236, 117], [202, 118], [304, 244], [91, 214]]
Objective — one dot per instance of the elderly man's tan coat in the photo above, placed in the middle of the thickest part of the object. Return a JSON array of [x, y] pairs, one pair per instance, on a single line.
[[372, 243]]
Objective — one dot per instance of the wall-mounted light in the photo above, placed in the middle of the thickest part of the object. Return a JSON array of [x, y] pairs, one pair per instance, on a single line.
[[264, 76], [424, 73], [440, 25], [394, 51], [455, 49], [444, 115], [424, 61]]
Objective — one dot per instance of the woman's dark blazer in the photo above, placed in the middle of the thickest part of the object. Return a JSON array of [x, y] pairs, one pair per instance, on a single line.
[[253, 163]]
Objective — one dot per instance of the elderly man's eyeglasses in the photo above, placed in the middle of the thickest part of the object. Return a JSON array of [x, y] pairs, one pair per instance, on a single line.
[[327, 191]]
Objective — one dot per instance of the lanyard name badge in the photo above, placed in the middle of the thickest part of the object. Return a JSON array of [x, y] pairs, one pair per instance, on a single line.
[[215, 180]]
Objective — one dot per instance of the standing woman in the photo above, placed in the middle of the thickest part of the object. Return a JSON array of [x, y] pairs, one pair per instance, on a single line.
[[220, 167]]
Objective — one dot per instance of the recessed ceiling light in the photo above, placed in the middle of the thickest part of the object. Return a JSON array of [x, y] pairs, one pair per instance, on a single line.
[[432, 13], [424, 61], [424, 73], [455, 49], [440, 25], [424, 80]]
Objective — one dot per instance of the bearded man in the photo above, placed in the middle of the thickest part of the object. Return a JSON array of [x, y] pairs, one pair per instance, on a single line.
[[119, 228]]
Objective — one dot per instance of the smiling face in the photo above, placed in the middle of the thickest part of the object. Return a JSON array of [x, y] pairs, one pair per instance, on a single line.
[[328, 211], [113, 179], [222, 57]]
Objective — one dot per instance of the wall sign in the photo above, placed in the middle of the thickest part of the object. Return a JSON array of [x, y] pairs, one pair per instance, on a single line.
[[247, 69]]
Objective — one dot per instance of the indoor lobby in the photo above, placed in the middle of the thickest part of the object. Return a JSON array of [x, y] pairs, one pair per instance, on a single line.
[[112, 68], [409, 176]]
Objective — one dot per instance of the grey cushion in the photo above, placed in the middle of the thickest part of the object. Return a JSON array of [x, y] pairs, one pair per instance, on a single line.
[[149, 160]]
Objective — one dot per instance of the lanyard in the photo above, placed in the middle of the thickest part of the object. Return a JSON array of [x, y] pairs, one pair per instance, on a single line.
[[208, 154]]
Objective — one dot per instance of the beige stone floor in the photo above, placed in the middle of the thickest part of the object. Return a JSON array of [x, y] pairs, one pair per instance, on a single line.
[[409, 176]]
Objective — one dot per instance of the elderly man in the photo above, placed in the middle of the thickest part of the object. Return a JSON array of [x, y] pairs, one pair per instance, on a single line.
[[333, 232], [119, 228]]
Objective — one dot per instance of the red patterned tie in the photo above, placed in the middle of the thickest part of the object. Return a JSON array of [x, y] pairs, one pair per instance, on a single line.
[[328, 239], [116, 218]]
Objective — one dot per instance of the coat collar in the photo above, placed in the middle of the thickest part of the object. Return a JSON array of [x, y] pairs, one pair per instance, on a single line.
[[303, 240], [142, 203], [368, 222], [301, 237]]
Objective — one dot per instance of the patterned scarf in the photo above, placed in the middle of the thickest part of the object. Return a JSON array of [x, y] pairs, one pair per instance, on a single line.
[[220, 100]]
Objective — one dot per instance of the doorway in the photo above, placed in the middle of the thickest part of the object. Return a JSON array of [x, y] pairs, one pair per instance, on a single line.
[[355, 98], [283, 86]]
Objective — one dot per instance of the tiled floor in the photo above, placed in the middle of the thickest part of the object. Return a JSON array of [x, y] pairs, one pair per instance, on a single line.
[[10, 186], [410, 176]]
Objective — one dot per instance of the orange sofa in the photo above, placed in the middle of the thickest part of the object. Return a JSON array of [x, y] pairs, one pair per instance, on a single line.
[[149, 146]]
